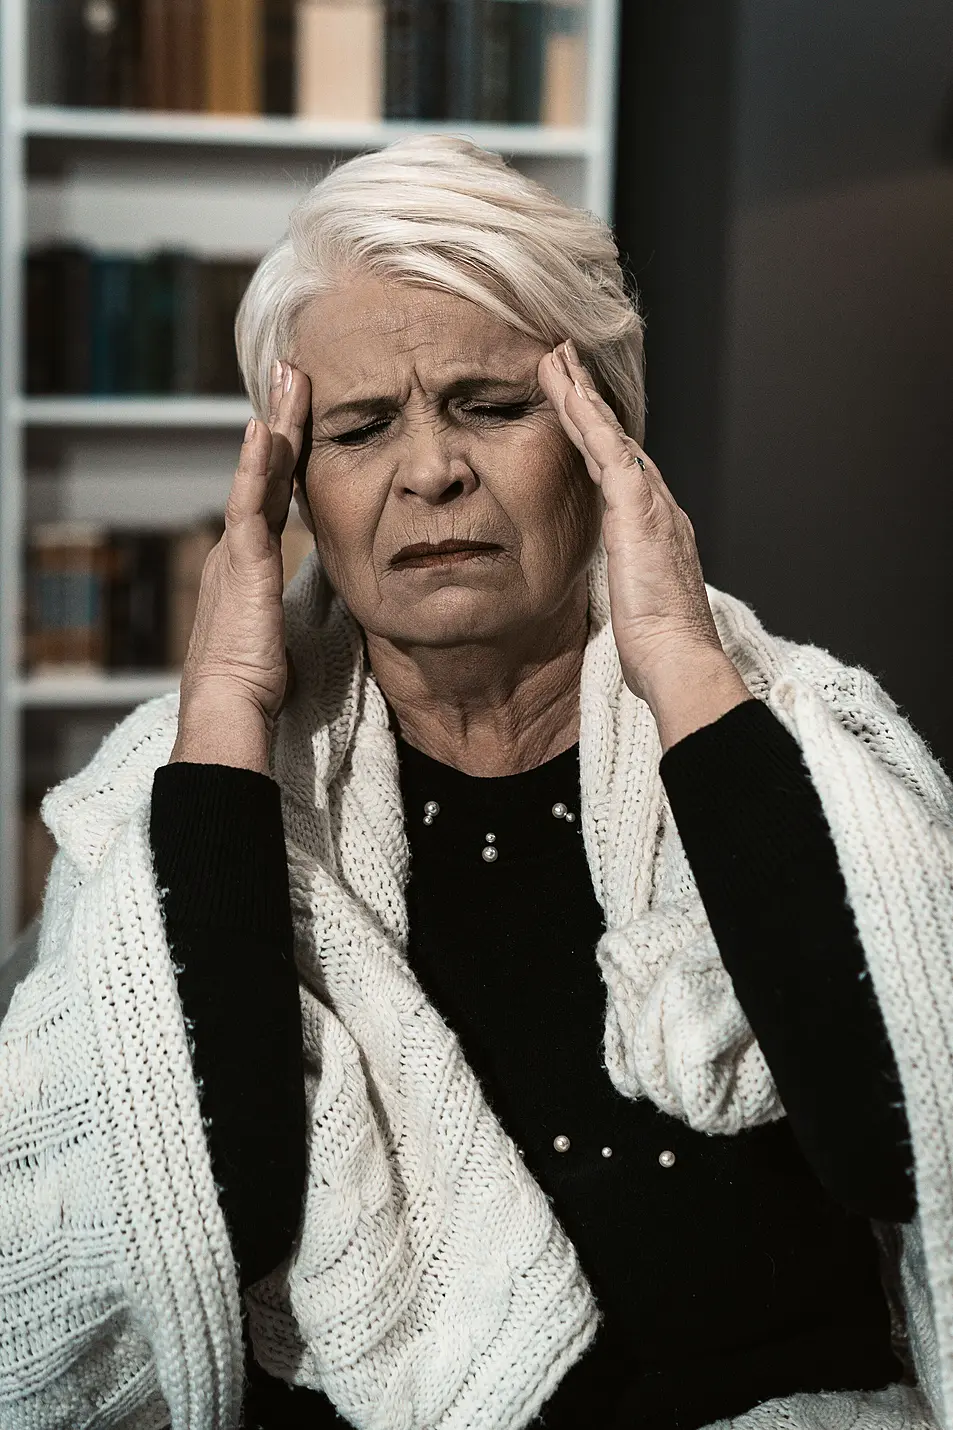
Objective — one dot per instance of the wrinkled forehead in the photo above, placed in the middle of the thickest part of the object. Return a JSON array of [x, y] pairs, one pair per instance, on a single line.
[[370, 329]]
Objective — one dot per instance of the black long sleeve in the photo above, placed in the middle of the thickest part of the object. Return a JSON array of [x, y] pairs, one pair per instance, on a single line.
[[754, 831], [219, 854]]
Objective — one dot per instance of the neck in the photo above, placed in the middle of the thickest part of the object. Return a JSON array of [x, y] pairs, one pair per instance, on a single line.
[[489, 710]]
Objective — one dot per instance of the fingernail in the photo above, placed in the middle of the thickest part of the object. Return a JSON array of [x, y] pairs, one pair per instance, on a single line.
[[570, 347], [289, 377], [580, 389], [277, 369], [558, 363], [250, 429]]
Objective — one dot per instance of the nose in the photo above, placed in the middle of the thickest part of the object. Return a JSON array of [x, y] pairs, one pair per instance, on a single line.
[[433, 469]]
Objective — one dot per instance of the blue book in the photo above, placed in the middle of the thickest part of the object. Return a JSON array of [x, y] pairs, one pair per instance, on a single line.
[[111, 316]]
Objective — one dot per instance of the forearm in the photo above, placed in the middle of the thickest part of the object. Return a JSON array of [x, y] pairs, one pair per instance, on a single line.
[[755, 835], [219, 855]]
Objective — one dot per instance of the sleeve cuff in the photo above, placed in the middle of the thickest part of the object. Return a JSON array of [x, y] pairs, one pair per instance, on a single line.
[[218, 847]]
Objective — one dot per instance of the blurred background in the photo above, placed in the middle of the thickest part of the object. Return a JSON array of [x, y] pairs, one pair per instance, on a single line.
[[780, 178]]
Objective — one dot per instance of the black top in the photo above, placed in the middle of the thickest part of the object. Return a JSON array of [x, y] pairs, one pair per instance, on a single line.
[[744, 1270]]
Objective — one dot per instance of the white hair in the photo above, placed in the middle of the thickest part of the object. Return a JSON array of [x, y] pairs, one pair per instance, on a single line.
[[439, 211]]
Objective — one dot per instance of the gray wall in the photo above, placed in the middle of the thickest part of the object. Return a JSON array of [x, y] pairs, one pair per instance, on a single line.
[[800, 255]]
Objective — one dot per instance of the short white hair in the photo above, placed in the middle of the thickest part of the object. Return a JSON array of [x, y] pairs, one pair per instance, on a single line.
[[441, 212]]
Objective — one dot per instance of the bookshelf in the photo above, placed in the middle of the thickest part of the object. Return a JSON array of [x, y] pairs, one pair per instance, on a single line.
[[135, 181]]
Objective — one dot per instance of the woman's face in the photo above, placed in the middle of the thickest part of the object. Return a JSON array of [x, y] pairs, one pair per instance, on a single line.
[[430, 427]]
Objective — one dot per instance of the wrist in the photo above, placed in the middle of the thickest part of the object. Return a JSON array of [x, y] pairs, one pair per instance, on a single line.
[[217, 728], [692, 688]]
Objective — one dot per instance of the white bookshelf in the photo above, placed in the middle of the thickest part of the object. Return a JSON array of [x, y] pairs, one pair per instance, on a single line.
[[134, 181]]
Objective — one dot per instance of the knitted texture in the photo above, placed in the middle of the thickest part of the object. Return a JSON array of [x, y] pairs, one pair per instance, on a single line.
[[430, 1284]]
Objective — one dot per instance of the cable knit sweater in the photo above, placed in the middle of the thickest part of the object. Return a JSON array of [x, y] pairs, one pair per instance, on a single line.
[[430, 1285]]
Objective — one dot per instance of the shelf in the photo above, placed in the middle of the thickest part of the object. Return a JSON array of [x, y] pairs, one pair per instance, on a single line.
[[274, 132], [162, 412], [48, 692]]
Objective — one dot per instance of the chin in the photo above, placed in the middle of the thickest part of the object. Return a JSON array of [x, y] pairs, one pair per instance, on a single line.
[[451, 616]]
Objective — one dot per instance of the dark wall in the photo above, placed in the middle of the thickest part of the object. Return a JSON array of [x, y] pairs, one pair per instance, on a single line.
[[785, 201]]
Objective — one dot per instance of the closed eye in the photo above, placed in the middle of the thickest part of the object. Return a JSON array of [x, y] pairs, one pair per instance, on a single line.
[[481, 411]]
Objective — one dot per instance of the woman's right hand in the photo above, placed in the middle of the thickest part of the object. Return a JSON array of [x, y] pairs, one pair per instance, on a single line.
[[236, 676]]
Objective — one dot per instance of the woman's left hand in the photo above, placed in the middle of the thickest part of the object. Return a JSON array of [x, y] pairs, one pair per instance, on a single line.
[[661, 617]]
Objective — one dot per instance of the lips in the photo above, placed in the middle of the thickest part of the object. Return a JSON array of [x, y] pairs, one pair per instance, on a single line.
[[426, 552]]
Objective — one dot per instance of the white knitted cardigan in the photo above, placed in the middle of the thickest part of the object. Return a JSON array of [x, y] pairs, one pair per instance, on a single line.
[[430, 1284]]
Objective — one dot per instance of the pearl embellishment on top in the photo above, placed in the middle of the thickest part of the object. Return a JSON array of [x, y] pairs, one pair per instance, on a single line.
[[561, 1143], [490, 852], [559, 810], [666, 1159], [607, 1151], [431, 810]]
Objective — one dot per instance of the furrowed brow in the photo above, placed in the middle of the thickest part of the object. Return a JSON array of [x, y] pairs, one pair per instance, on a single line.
[[460, 387]]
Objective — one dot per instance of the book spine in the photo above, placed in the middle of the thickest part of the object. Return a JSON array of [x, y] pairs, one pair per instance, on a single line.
[[526, 62], [339, 49], [185, 40], [496, 61], [464, 59], [278, 82], [76, 265], [564, 65], [111, 324], [138, 600], [41, 311], [234, 37], [156, 55], [66, 611], [188, 552], [402, 97]]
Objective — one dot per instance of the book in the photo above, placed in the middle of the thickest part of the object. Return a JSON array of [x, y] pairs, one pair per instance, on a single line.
[[564, 64], [278, 79], [99, 51], [137, 600], [527, 30], [186, 49], [188, 552], [156, 74], [110, 326], [415, 59], [221, 286], [233, 41], [56, 313], [339, 52], [66, 586]]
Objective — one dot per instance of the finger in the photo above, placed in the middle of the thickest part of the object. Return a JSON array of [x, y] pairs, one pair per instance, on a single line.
[[557, 385], [292, 413], [605, 440], [250, 483], [275, 389]]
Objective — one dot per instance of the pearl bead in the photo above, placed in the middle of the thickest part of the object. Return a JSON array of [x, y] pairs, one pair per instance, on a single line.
[[490, 838], [666, 1159], [490, 853], [432, 808], [561, 1143], [428, 819], [559, 810], [607, 1151], [570, 817]]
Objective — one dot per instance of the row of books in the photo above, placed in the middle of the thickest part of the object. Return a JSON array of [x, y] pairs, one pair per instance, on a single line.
[[120, 324], [101, 599], [500, 61]]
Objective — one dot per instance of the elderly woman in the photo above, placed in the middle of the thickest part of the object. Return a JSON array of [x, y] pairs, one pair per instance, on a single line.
[[519, 1005]]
